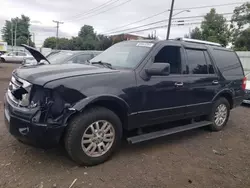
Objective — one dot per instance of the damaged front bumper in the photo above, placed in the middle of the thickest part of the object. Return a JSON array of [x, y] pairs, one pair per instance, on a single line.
[[21, 123]]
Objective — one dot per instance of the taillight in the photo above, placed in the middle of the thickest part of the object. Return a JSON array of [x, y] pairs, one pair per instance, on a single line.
[[244, 83]]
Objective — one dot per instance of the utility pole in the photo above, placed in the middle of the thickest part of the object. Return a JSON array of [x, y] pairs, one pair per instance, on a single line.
[[15, 33], [34, 39], [170, 19], [12, 42], [57, 29]]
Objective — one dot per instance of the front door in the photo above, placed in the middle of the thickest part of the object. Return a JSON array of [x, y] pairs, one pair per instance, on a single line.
[[164, 98]]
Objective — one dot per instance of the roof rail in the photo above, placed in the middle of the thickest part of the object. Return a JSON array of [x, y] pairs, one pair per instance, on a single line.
[[199, 41]]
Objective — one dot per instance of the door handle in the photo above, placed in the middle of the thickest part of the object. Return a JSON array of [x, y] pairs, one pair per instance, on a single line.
[[215, 82], [178, 84]]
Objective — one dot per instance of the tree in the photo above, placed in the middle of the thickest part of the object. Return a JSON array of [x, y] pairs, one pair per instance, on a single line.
[[63, 44], [104, 42], [215, 29], [76, 43], [196, 34], [87, 39], [241, 15], [22, 25], [50, 42], [242, 42], [86, 31], [240, 27]]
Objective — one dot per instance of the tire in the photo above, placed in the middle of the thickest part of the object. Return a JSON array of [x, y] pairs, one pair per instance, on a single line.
[[81, 124], [217, 126], [2, 60]]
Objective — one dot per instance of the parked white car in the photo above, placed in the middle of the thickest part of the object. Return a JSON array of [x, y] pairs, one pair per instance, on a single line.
[[14, 56]]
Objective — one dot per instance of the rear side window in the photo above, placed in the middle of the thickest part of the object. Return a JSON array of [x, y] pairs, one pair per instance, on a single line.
[[196, 62], [228, 63]]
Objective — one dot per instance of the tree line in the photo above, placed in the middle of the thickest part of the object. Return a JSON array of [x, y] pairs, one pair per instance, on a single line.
[[214, 27]]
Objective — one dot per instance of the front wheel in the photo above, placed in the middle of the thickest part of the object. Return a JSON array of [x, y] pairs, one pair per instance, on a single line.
[[219, 114], [93, 136]]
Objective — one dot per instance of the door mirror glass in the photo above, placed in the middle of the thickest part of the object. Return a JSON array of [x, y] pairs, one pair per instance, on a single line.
[[158, 69]]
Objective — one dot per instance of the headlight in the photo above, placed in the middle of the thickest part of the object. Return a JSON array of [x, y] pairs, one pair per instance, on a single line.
[[21, 90], [26, 96]]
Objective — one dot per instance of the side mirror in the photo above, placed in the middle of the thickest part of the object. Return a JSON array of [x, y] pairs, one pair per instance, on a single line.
[[158, 69]]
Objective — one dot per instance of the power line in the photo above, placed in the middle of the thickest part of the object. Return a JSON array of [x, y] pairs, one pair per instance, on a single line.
[[164, 26], [161, 21], [103, 11], [209, 6], [154, 15], [137, 21], [108, 3]]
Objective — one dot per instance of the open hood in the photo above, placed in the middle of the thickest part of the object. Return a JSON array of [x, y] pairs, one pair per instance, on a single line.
[[35, 53]]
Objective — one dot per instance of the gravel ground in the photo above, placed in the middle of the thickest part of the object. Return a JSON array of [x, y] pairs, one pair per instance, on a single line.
[[197, 158]]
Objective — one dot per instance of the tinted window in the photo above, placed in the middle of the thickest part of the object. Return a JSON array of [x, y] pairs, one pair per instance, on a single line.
[[196, 62], [209, 63], [171, 55], [228, 63], [83, 57], [59, 57], [125, 54]]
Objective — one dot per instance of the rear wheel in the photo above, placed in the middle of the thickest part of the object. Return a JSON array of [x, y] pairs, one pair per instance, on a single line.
[[93, 136], [220, 114], [2, 60]]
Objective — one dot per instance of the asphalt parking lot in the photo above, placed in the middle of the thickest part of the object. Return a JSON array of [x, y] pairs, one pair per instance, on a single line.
[[197, 158]]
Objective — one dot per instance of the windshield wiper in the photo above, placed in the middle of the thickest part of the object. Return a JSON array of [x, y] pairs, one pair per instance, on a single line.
[[108, 65]]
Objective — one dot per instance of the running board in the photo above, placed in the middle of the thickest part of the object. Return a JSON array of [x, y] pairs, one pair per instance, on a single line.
[[165, 132]]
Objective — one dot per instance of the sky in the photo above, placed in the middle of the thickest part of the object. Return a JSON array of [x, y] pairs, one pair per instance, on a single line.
[[116, 13]]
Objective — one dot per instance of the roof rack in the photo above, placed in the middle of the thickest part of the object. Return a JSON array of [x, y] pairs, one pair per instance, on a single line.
[[199, 41]]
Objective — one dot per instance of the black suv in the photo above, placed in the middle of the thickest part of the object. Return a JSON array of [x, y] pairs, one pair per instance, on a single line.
[[130, 86]]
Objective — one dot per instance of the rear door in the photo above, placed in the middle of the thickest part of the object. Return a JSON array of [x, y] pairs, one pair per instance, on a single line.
[[203, 82]]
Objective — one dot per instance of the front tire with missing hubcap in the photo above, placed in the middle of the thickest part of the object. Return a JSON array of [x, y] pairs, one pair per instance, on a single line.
[[93, 136]]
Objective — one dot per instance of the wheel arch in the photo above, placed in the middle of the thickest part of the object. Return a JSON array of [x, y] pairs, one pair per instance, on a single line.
[[113, 103], [228, 94]]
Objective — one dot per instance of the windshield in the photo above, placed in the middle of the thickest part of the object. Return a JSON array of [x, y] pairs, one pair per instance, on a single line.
[[124, 54], [58, 57]]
